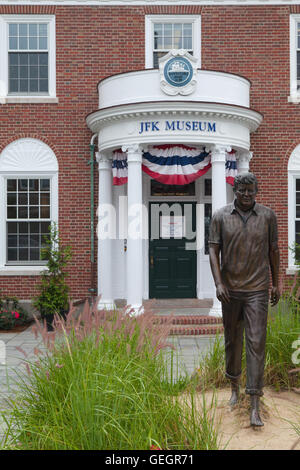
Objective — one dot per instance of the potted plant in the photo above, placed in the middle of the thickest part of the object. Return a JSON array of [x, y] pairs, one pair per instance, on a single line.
[[53, 290]]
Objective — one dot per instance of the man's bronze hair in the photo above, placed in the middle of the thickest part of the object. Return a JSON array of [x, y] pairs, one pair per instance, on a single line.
[[245, 178]]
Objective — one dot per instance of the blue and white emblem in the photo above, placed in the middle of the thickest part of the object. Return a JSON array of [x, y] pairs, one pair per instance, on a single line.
[[178, 72]]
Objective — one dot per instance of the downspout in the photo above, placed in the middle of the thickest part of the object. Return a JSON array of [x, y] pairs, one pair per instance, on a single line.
[[92, 290]]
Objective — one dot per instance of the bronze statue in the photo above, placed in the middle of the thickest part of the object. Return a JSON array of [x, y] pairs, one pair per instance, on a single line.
[[245, 233]]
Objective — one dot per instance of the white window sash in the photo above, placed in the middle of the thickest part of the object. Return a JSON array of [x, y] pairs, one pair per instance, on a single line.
[[149, 34], [293, 175], [4, 48], [294, 93], [4, 265], [27, 220]]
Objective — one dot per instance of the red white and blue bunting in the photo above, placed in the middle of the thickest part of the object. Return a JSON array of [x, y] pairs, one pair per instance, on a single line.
[[175, 164], [230, 167], [172, 164], [119, 167]]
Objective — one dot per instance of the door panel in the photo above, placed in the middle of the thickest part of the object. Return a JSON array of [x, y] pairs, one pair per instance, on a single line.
[[172, 267]]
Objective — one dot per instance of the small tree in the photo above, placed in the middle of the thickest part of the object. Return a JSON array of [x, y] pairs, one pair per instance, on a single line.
[[53, 289]]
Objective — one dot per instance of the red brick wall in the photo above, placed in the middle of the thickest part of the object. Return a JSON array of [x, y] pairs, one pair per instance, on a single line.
[[95, 42]]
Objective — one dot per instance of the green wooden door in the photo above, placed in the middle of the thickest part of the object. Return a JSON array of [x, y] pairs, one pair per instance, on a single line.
[[172, 266]]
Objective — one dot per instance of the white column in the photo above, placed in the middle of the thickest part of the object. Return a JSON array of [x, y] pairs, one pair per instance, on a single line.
[[105, 232], [219, 198], [134, 262], [243, 161]]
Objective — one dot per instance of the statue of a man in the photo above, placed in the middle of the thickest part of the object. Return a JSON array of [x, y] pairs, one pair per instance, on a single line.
[[245, 233]]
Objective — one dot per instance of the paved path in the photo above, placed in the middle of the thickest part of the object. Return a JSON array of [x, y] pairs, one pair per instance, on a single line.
[[185, 357]]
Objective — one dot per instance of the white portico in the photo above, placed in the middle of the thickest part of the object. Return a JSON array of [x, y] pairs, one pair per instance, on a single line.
[[138, 110]]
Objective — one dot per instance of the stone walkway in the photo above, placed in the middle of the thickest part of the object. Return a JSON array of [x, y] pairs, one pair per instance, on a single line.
[[185, 357]]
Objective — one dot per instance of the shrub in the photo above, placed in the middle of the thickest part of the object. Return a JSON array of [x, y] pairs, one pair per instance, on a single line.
[[53, 289], [99, 387], [11, 313]]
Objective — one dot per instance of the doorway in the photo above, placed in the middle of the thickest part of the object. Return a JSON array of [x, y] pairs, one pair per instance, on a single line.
[[172, 250]]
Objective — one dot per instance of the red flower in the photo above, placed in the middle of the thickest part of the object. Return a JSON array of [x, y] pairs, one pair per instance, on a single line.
[[153, 447]]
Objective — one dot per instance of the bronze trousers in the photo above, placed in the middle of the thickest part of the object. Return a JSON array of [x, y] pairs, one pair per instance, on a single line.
[[246, 311]]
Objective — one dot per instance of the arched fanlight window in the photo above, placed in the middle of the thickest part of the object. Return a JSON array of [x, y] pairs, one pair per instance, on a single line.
[[29, 201]]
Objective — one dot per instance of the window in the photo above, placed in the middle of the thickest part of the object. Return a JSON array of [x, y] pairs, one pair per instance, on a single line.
[[207, 187], [160, 189], [27, 219], [169, 36], [207, 219], [297, 218], [293, 206], [164, 33], [298, 55], [28, 56], [28, 204], [294, 58]]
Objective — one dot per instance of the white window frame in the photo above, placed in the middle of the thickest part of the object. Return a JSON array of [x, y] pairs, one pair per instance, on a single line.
[[44, 165], [149, 34], [49, 97], [294, 93], [293, 174]]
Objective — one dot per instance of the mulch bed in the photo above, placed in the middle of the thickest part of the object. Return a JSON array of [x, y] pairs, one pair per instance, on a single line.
[[17, 329]]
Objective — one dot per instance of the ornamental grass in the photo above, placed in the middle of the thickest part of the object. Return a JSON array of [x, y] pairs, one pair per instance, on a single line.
[[102, 385], [282, 357], [283, 333]]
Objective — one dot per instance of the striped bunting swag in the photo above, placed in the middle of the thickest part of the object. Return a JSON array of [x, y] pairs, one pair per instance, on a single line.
[[172, 164], [119, 167], [175, 164], [230, 167]]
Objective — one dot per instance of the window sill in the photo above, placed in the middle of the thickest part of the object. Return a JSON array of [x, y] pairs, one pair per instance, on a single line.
[[28, 99], [291, 270], [22, 270], [294, 99]]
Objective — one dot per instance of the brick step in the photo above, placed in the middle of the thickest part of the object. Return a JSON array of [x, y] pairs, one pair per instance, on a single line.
[[177, 303], [195, 330], [191, 320], [188, 325]]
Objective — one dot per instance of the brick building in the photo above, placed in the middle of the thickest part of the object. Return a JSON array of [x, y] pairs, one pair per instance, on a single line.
[[213, 82]]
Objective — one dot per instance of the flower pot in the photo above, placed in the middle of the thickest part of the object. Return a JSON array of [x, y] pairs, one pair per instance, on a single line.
[[49, 319], [63, 313]]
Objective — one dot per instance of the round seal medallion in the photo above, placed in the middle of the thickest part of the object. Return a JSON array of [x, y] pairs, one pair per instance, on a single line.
[[178, 71]]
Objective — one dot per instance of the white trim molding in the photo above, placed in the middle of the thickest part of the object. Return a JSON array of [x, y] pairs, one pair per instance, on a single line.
[[26, 157], [5, 97], [293, 174], [149, 2]]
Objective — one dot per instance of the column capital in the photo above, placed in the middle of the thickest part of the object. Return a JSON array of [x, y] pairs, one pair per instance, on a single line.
[[103, 160], [218, 152], [134, 152], [244, 156]]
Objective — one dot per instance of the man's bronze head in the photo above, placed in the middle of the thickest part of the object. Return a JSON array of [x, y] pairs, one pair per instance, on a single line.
[[245, 178], [245, 189]]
